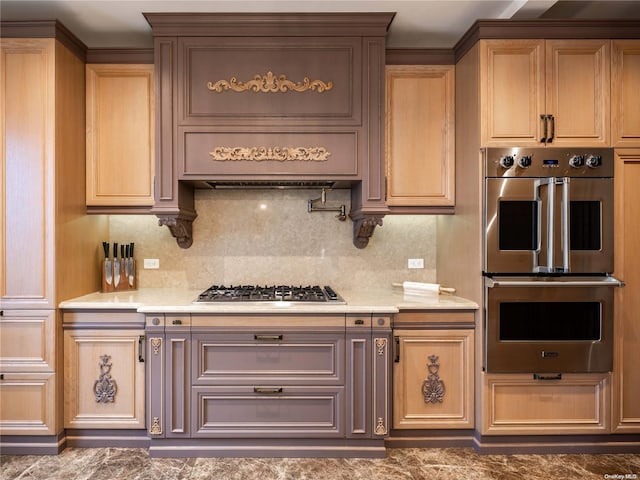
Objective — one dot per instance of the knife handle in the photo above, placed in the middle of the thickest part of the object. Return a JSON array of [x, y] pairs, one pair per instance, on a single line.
[[115, 250]]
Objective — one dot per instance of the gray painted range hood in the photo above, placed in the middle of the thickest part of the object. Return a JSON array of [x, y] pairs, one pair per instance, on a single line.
[[230, 87]]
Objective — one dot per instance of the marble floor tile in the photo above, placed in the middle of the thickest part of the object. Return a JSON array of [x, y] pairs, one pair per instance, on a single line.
[[399, 464]]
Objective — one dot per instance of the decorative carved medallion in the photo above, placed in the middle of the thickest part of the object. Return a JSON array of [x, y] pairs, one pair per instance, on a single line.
[[433, 386], [380, 427], [261, 154], [105, 387], [155, 429], [381, 345], [155, 344], [270, 83]]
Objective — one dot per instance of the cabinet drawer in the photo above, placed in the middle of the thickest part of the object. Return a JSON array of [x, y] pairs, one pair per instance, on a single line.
[[27, 404], [27, 341], [517, 404], [233, 359], [267, 411]]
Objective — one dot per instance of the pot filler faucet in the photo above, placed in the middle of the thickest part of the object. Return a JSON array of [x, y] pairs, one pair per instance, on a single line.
[[313, 207]]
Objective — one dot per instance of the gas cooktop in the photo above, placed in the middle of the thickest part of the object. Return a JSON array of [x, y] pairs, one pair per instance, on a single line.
[[275, 293]]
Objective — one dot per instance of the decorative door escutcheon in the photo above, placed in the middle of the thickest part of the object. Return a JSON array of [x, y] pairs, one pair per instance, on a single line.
[[433, 387]]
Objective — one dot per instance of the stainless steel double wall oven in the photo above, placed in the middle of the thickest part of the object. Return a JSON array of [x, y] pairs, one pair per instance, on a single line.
[[548, 233]]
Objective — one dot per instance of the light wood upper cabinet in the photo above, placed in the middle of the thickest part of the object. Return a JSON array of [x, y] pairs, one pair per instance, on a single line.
[[420, 136], [626, 391], [625, 94], [120, 111], [26, 213], [537, 92]]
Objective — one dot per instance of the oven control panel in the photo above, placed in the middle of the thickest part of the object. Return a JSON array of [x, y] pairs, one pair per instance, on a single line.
[[548, 162]]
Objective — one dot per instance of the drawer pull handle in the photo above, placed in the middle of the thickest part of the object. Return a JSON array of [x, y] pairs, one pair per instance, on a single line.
[[552, 376], [359, 322], [176, 322], [269, 338], [267, 390]]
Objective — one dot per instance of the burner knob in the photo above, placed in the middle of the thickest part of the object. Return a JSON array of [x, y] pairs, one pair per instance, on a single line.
[[524, 161], [506, 161], [576, 161], [594, 161]]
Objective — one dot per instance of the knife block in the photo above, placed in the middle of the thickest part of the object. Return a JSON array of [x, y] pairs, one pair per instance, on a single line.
[[124, 284]]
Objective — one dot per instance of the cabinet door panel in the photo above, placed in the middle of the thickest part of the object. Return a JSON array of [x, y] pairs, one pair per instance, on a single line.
[[420, 136], [27, 341], [578, 86], [27, 404], [512, 92], [120, 135], [231, 80], [104, 379], [626, 407], [433, 379], [625, 96], [26, 214]]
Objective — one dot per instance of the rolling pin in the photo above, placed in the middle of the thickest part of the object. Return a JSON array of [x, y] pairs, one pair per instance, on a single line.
[[419, 288]]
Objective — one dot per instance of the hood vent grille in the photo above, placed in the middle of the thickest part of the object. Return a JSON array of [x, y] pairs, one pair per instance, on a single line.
[[267, 184]]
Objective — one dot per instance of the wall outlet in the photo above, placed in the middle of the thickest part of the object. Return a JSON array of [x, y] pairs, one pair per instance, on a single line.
[[151, 263], [416, 263]]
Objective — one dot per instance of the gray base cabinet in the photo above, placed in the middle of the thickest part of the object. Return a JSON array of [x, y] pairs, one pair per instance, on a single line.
[[268, 378]]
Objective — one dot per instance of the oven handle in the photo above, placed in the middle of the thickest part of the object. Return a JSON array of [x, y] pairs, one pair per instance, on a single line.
[[517, 282], [565, 223], [550, 182]]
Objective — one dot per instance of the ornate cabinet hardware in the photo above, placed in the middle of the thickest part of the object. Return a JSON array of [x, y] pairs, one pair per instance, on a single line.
[[261, 154], [105, 388], [433, 387], [156, 343], [381, 429], [269, 83], [381, 345], [155, 429]]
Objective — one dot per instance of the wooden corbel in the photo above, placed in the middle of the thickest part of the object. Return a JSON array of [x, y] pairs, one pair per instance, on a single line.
[[363, 228], [181, 229]]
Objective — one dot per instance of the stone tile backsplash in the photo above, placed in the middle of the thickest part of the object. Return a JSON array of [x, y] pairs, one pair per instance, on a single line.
[[267, 236]]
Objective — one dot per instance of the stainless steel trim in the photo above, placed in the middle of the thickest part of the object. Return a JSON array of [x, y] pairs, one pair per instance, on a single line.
[[553, 282]]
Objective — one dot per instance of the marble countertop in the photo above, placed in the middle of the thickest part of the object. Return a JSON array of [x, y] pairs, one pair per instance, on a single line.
[[170, 300]]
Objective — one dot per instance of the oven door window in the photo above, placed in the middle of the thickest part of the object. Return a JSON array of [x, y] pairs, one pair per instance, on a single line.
[[518, 224], [586, 225], [550, 321]]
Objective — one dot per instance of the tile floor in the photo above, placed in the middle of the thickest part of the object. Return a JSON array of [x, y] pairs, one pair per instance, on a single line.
[[399, 464]]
